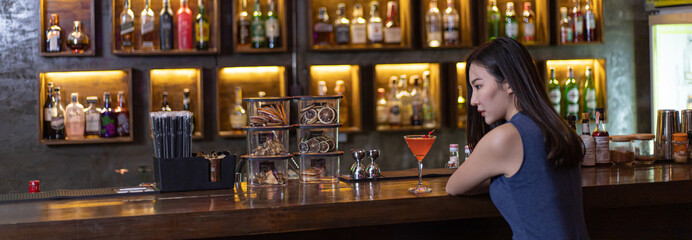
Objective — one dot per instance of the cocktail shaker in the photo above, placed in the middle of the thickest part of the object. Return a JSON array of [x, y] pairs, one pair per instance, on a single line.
[[667, 123], [686, 120]]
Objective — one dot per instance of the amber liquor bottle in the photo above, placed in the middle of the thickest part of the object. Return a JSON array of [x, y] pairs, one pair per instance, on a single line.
[[601, 137], [54, 35], [122, 114]]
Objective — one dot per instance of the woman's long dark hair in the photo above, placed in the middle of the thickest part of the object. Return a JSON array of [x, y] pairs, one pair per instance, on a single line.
[[507, 60]]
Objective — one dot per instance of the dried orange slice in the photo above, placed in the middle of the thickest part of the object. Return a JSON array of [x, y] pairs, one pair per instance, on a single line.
[[326, 115], [314, 145]]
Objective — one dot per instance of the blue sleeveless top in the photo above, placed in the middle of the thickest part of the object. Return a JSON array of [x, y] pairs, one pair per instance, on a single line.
[[539, 201]]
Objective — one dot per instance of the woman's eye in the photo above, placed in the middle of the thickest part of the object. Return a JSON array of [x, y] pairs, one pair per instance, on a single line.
[[477, 86]]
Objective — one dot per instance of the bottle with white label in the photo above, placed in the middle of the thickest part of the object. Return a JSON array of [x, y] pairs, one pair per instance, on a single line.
[[571, 93], [375, 24], [511, 27], [433, 25], [589, 23], [392, 29], [577, 23], [54, 35], [238, 114], [358, 26], [93, 118], [342, 30], [589, 143], [601, 137], [74, 119], [555, 93], [450, 19], [589, 94], [147, 27], [57, 123], [529, 26], [453, 156]]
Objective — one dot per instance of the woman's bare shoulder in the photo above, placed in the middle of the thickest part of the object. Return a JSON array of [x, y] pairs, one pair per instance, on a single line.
[[501, 137]]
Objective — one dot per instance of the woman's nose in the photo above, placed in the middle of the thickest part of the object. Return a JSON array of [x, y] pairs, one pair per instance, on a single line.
[[474, 100]]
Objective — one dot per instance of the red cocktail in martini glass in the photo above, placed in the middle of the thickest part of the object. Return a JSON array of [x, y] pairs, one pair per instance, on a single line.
[[419, 145]]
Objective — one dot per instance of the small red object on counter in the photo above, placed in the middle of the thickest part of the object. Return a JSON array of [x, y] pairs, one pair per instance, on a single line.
[[34, 186]]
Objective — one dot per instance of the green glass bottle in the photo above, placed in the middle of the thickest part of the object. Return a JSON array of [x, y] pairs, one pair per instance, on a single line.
[[589, 95], [493, 20], [555, 93], [272, 27], [202, 28], [258, 35], [511, 25], [571, 93]]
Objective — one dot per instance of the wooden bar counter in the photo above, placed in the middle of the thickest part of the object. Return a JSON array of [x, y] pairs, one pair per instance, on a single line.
[[314, 207]]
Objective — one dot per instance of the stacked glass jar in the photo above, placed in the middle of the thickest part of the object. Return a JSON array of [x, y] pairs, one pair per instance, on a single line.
[[268, 141], [318, 138]]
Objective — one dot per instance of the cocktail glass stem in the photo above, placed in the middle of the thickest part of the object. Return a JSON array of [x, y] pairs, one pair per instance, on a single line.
[[420, 174]]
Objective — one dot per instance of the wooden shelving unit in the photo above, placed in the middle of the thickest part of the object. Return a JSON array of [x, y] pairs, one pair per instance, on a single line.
[[579, 69], [351, 76], [283, 22], [382, 74], [541, 9], [596, 8], [212, 12], [270, 79], [466, 25], [174, 81], [68, 12], [87, 83], [405, 20]]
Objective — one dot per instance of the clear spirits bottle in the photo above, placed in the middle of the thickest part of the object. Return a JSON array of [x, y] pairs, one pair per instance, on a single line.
[[571, 93], [74, 119], [375, 24], [511, 26], [404, 97], [186, 107], [108, 118], [184, 16], [528, 25], [147, 27], [416, 102], [122, 115], [54, 35], [201, 27], [57, 122], [450, 19], [257, 25], [589, 23], [433, 25], [342, 29], [493, 20], [49, 111], [243, 24], [394, 104], [555, 93], [321, 88], [166, 26], [127, 27], [381, 109], [589, 94], [238, 115], [164, 104], [577, 22], [392, 27], [344, 107], [589, 142], [323, 28], [93, 118], [566, 34], [272, 27], [358, 26], [428, 108]]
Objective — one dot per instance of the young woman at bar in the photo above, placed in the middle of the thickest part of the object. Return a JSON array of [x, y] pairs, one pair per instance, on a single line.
[[523, 154]]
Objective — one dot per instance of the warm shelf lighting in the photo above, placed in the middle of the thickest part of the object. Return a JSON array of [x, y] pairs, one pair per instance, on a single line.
[[328, 69], [248, 70], [84, 75]]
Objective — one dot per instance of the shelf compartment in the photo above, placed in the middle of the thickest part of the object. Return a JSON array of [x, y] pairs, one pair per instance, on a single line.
[[281, 7], [579, 69], [460, 108], [252, 79], [466, 31], [405, 22], [383, 72], [212, 12], [541, 9], [174, 81], [68, 12], [87, 83], [350, 74], [596, 8]]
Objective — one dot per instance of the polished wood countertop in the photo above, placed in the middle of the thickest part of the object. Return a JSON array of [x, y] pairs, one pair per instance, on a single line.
[[298, 207]]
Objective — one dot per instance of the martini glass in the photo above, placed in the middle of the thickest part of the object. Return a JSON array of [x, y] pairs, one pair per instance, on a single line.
[[419, 146]]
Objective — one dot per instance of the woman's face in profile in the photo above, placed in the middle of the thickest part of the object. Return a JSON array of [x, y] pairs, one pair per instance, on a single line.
[[492, 99]]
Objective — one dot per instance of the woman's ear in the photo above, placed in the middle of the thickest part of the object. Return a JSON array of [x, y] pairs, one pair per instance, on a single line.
[[507, 88]]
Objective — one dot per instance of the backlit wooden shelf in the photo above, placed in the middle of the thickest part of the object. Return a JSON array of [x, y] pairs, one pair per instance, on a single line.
[[283, 23], [596, 8], [466, 31], [350, 74], [541, 9], [232, 134], [174, 81], [579, 70], [68, 12], [87, 141]]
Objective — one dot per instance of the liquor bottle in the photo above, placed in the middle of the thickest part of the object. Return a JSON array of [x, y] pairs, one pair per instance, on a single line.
[[555, 93], [381, 108], [572, 122], [589, 23], [375, 24], [394, 104], [201, 28], [566, 34], [108, 118], [589, 142], [392, 28], [272, 27], [74, 119], [416, 102], [571, 93], [261, 94], [49, 111], [601, 137], [238, 115], [461, 107], [78, 41], [186, 107], [433, 25], [589, 94], [54, 35], [93, 118], [405, 97], [450, 19], [122, 116], [184, 26], [127, 27], [577, 22], [243, 24], [358, 26], [511, 27], [323, 29], [166, 26], [147, 27], [453, 156], [493, 20], [321, 88], [342, 29], [57, 122], [529, 27], [428, 109], [344, 107], [164, 104], [257, 26]]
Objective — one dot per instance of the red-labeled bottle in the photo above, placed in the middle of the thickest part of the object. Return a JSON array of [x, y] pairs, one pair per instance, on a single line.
[[34, 186], [601, 137], [184, 26]]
